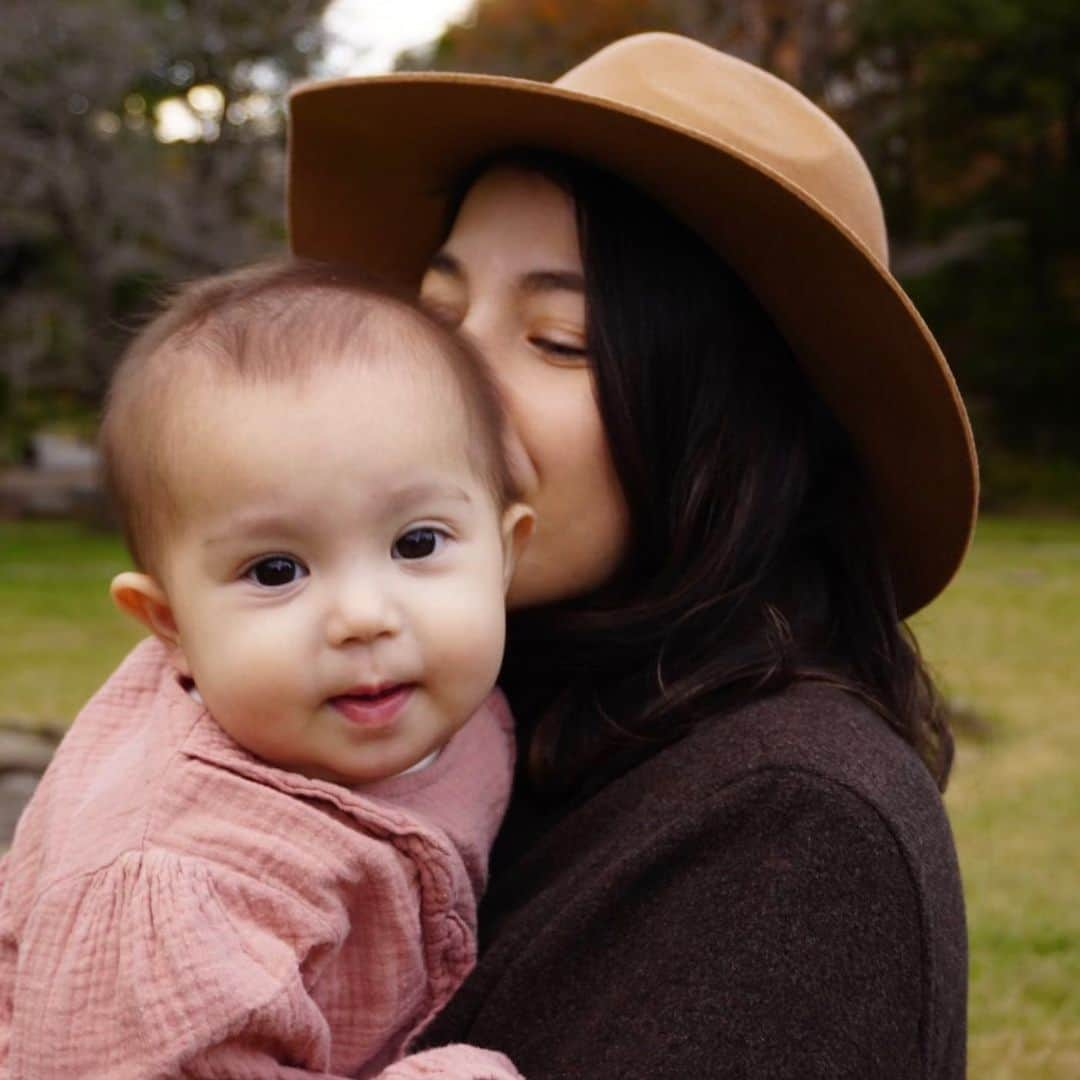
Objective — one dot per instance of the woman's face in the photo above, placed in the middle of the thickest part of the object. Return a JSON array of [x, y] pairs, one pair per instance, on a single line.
[[510, 276]]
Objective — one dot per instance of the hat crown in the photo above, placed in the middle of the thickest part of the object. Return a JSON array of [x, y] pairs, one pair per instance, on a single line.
[[728, 101], [757, 170]]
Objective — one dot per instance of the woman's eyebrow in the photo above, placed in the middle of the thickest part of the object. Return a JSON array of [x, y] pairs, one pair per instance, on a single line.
[[535, 281], [541, 281]]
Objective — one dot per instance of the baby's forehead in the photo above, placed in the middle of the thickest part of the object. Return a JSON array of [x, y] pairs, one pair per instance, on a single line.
[[395, 359], [345, 433], [310, 340], [359, 387]]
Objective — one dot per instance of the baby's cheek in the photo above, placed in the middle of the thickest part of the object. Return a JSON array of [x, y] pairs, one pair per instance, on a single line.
[[465, 644], [252, 665]]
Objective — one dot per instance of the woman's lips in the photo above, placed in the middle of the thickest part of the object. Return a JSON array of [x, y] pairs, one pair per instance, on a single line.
[[373, 709]]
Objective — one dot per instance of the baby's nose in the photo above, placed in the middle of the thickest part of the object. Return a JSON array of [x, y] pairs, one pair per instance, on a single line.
[[361, 611]]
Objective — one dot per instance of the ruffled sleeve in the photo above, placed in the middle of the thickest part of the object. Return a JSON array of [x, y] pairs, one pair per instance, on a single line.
[[163, 965]]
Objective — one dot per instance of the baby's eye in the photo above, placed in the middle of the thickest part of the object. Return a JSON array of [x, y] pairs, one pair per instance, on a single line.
[[276, 570], [418, 543]]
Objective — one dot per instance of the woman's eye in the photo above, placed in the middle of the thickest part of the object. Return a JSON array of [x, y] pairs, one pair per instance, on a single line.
[[275, 571], [417, 543], [559, 348]]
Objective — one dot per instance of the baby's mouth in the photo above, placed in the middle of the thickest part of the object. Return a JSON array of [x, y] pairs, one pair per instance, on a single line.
[[372, 693], [373, 707]]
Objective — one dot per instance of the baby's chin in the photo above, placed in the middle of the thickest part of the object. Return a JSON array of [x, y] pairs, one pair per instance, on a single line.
[[350, 740], [364, 776]]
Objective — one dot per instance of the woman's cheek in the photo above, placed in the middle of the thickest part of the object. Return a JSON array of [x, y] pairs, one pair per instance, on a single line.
[[582, 520]]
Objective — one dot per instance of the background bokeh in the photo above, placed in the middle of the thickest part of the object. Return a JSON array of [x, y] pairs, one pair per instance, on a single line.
[[142, 143]]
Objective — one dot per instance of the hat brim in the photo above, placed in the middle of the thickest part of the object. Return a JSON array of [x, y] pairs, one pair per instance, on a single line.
[[373, 164]]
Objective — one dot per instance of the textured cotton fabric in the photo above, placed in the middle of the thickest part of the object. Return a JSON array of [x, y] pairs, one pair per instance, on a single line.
[[776, 895], [174, 906]]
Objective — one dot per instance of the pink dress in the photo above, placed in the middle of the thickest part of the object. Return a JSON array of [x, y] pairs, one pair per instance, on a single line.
[[174, 906]]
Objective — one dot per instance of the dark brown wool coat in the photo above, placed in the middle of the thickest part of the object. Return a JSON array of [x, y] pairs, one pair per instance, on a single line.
[[777, 895]]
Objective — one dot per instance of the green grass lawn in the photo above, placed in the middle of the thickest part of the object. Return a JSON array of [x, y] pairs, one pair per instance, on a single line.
[[60, 631], [1004, 640]]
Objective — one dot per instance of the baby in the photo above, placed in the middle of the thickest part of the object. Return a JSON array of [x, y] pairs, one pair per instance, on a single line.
[[258, 850]]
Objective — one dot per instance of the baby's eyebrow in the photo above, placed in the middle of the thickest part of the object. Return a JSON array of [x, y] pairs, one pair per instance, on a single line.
[[271, 522], [423, 491], [396, 501]]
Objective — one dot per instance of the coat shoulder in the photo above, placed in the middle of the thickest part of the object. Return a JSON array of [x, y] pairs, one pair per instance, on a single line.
[[818, 732]]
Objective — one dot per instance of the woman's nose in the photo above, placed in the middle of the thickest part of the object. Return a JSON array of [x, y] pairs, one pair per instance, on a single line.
[[480, 326], [497, 351], [362, 611]]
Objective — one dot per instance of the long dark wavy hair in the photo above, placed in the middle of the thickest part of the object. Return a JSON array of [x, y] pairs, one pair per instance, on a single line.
[[754, 559]]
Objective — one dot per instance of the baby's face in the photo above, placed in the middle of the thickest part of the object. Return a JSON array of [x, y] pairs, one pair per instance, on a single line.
[[338, 572]]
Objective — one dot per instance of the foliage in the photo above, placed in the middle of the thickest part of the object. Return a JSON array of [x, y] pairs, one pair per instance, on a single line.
[[99, 211], [540, 39], [536, 38], [54, 411], [972, 110], [967, 110]]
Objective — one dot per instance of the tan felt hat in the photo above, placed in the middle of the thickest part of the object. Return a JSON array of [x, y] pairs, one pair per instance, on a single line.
[[756, 168]]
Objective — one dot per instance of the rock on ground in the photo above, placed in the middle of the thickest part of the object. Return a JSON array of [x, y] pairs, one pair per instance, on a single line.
[[24, 756]]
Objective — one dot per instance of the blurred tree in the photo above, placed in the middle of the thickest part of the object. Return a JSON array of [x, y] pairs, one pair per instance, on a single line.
[[535, 39], [99, 206], [968, 110], [972, 110], [540, 39]]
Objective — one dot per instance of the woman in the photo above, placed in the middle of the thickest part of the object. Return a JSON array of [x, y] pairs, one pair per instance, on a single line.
[[726, 854]]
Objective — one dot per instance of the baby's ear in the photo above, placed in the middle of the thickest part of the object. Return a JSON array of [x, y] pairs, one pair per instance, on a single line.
[[517, 528], [141, 597]]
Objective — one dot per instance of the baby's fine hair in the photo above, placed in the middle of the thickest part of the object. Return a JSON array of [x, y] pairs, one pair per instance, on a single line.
[[273, 321]]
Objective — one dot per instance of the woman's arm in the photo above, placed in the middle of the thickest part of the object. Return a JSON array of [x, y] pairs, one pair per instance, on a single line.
[[775, 930]]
